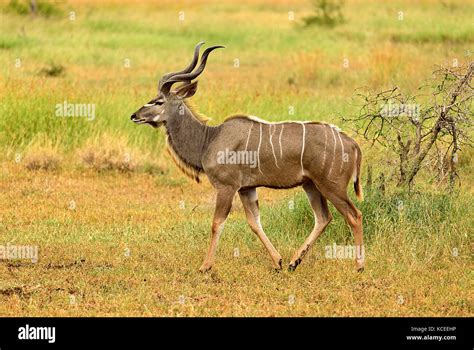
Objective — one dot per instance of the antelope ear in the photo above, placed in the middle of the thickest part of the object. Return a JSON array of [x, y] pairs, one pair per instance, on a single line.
[[187, 90]]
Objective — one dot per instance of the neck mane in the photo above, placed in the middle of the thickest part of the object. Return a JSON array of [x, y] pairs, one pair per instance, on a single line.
[[187, 139]]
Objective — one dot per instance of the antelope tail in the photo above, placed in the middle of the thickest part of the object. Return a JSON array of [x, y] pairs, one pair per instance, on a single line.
[[357, 183]]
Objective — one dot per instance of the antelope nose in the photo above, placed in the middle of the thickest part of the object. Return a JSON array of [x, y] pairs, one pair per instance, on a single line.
[[133, 116]]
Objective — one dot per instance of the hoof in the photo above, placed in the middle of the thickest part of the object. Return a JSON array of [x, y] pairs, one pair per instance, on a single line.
[[278, 265], [205, 268], [292, 267]]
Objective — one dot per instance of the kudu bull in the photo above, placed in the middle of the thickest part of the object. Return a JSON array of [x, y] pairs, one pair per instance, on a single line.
[[317, 156]]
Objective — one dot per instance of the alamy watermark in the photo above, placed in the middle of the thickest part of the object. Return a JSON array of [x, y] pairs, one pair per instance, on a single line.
[[82, 110], [237, 157], [398, 109], [344, 252], [37, 333], [13, 252]]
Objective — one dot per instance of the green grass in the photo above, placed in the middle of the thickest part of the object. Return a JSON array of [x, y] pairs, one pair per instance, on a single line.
[[271, 49]]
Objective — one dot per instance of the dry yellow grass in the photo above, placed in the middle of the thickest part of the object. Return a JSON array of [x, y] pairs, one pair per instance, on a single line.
[[109, 153], [131, 245]]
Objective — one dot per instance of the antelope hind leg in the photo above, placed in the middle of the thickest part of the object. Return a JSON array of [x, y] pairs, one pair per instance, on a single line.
[[353, 217], [322, 217]]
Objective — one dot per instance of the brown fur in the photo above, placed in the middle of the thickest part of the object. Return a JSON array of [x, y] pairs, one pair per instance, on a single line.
[[314, 155]]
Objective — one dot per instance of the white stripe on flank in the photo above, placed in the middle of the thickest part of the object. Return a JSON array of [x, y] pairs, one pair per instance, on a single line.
[[248, 137], [258, 150], [302, 147], [334, 130], [279, 140], [334, 153], [342, 150], [271, 143], [325, 145]]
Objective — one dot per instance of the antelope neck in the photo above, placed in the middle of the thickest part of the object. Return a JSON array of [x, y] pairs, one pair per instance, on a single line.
[[188, 137]]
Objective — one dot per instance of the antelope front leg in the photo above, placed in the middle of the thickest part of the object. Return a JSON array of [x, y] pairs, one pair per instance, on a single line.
[[250, 202], [223, 206]]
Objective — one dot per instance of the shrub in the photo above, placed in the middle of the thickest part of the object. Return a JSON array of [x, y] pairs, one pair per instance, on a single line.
[[107, 152], [326, 13], [42, 8], [41, 154], [53, 70]]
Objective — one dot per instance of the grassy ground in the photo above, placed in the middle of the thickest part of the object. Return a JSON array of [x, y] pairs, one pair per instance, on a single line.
[[130, 242], [131, 248]]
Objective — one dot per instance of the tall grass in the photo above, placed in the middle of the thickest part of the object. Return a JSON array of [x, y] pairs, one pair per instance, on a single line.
[[418, 244], [416, 214], [281, 64]]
